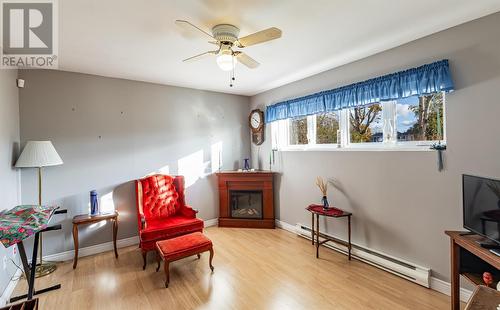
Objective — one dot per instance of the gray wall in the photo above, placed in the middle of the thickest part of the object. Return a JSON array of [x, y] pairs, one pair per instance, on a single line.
[[401, 203], [9, 148], [112, 131]]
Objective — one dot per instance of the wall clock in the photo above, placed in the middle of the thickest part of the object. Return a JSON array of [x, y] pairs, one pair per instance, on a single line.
[[256, 122]]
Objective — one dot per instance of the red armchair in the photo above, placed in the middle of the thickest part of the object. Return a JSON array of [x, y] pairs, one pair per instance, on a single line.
[[162, 212]]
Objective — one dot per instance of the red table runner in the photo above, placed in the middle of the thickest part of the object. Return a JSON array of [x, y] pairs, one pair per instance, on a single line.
[[330, 212]]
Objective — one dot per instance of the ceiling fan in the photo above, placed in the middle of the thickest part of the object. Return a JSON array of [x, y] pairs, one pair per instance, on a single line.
[[225, 37]]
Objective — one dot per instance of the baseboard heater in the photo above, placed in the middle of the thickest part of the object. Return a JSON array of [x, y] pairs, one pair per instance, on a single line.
[[406, 270]]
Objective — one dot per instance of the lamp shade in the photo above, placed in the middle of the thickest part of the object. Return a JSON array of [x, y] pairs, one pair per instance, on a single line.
[[38, 154]]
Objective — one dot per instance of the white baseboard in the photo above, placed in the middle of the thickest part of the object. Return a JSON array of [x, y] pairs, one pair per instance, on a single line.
[[445, 288], [285, 226], [91, 250], [435, 283], [212, 222], [7, 293]]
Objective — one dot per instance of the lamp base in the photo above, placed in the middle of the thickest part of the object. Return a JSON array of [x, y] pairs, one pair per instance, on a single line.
[[44, 269]]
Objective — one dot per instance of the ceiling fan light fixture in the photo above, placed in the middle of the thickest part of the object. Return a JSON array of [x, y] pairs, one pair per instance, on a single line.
[[226, 36], [226, 62]]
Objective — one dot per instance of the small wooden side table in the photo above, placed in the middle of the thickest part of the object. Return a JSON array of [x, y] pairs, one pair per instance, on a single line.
[[89, 219], [332, 212]]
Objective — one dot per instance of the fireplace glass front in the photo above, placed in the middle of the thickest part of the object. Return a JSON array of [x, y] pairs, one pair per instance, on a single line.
[[246, 204]]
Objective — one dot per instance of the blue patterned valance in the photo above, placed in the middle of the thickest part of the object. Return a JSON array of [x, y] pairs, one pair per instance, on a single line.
[[423, 80]]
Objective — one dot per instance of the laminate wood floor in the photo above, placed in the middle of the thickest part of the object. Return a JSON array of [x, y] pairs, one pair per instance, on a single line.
[[254, 269]]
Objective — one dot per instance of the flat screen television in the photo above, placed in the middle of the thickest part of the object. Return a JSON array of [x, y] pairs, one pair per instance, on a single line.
[[481, 206]]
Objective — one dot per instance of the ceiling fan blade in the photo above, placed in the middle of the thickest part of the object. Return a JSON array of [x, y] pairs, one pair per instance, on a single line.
[[200, 56], [246, 60], [187, 25], [260, 37]]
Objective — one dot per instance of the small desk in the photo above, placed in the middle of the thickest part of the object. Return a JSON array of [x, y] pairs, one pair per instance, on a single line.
[[89, 219], [332, 212]]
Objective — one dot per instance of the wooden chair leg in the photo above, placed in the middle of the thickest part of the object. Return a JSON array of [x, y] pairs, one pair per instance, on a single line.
[[167, 274], [158, 260], [144, 254], [210, 260]]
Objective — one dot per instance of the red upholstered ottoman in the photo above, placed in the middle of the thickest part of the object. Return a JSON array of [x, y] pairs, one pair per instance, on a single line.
[[180, 247]]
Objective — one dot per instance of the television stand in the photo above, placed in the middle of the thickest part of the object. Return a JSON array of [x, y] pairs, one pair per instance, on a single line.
[[470, 260]]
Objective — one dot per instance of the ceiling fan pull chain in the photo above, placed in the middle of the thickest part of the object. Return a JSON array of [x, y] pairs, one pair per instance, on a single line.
[[234, 68], [231, 74]]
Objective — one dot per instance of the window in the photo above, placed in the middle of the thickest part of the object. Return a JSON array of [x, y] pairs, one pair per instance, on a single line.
[[365, 124], [327, 128], [420, 118], [298, 131], [411, 122]]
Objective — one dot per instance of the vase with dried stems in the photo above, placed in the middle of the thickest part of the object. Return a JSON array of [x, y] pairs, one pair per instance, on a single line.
[[323, 188]]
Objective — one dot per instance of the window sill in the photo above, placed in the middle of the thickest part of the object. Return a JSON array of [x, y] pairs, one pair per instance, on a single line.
[[359, 148]]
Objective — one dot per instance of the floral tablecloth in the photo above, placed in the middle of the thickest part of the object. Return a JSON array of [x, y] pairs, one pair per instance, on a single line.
[[22, 222]]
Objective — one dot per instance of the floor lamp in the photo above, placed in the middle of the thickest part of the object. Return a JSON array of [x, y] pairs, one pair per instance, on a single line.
[[39, 154]]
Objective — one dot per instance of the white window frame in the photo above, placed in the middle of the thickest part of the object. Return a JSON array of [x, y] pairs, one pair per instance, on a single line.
[[427, 143], [367, 145], [280, 135]]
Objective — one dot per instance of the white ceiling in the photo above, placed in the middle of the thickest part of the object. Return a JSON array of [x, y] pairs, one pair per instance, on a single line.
[[138, 40]]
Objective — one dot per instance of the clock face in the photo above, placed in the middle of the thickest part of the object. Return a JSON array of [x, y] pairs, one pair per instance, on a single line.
[[255, 120]]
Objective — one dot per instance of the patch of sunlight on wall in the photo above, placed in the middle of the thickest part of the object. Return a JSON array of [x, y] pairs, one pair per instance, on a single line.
[[97, 225], [216, 156], [164, 170], [192, 167], [106, 204]]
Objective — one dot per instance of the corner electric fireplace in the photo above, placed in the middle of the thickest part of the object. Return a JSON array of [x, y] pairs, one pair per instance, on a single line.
[[246, 199], [246, 204]]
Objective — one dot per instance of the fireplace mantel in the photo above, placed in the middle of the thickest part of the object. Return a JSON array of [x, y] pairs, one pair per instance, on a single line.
[[251, 181]]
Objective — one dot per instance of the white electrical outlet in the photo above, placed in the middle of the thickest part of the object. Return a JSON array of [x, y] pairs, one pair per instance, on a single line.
[[4, 262]]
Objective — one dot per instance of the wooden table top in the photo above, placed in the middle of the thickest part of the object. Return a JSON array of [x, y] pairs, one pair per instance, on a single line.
[[87, 218], [470, 242], [332, 212]]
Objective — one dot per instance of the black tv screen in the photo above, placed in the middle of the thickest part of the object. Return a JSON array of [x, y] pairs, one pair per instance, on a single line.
[[481, 204]]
